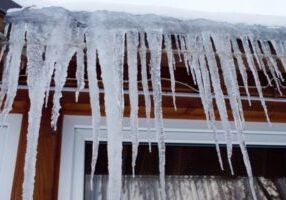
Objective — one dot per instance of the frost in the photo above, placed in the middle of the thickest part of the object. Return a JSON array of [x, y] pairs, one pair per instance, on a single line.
[[206, 48]]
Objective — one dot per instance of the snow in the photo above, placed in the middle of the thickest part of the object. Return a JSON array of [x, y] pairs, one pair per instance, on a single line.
[[264, 12], [206, 47]]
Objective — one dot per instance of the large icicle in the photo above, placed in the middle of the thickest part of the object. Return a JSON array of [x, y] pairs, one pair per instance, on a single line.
[[111, 65], [170, 56], [132, 46], [145, 85], [94, 97], [154, 39]]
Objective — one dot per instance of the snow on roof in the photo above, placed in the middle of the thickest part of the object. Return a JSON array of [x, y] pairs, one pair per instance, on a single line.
[[259, 11]]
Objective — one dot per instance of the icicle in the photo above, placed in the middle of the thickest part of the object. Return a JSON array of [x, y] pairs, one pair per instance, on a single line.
[[147, 100], [111, 66], [242, 68], [178, 47], [223, 48], [203, 81], [132, 45], [79, 71], [168, 47], [5, 45], [280, 51], [94, 100], [273, 67], [37, 80], [209, 102], [258, 55], [218, 94], [154, 39], [12, 69], [251, 65]]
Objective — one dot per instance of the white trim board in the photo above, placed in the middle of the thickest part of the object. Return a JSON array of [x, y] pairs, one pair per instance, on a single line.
[[77, 130], [9, 140]]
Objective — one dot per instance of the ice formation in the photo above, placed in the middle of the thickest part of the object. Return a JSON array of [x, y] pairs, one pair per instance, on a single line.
[[206, 48]]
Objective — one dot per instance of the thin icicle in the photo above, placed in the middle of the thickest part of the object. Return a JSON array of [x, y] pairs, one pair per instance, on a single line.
[[145, 86], [132, 46], [258, 55], [79, 72], [251, 65], [170, 56], [220, 101], [279, 48], [94, 100], [111, 66], [154, 39], [272, 64], [241, 67], [178, 47]]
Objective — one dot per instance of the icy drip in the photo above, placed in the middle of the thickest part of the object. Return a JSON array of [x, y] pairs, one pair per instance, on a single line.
[[154, 39], [279, 48], [94, 99], [170, 56], [132, 46], [219, 96], [252, 67], [111, 64], [3, 48], [12, 69], [144, 78], [241, 67]]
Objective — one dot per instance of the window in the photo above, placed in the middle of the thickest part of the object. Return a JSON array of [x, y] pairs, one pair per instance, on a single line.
[[189, 136], [9, 139]]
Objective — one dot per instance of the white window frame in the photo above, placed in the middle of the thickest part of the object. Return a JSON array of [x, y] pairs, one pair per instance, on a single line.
[[9, 140], [77, 130]]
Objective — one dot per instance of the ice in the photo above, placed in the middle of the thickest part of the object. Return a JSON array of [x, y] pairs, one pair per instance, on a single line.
[[154, 39], [241, 68], [207, 47], [252, 67], [12, 69], [168, 48], [111, 63], [79, 71], [145, 85], [132, 46], [94, 98], [219, 96]]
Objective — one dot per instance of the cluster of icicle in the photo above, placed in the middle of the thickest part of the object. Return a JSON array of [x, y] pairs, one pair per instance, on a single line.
[[52, 36]]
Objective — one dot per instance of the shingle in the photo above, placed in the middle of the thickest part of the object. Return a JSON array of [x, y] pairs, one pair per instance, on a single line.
[[7, 4]]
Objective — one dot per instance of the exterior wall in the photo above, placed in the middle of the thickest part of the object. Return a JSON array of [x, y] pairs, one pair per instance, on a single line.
[[47, 174]]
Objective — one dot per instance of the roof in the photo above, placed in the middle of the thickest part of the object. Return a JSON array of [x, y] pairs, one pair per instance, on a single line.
[[7, 4]]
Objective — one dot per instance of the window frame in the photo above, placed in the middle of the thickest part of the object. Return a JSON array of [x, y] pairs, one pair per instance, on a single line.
[[9, 141], [77, 131]]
